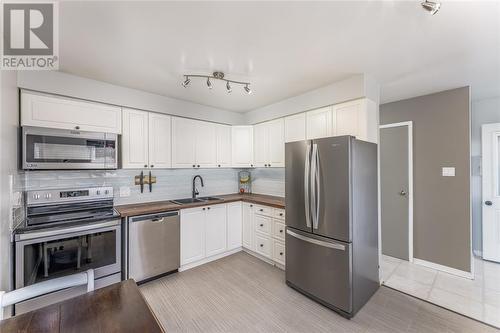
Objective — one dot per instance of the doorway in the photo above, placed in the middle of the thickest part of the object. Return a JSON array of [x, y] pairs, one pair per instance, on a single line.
[[396, 190]]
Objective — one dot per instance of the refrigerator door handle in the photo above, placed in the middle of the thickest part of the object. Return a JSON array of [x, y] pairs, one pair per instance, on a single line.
[[335, 246], [316, 185], [307, 169]]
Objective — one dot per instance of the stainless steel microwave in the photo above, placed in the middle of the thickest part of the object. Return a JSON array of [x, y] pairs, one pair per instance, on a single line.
[[57, 149]]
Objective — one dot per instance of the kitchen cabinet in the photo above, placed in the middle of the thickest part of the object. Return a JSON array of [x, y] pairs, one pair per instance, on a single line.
[[269, 144], [215, 230], [145, 140], [223, 137], [205, 144], [263, 245], [234, 225], [67, 113], [358, 118], [192, 235], [242, 146], [319, 123], [248, 226], [295, 127]]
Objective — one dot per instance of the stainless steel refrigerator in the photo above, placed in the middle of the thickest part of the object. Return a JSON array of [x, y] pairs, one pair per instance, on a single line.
[[331, 218]]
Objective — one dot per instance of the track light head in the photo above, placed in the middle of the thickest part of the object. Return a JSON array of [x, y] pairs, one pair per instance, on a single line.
[[186, 82], [431, 6], [247, 89], [228, 87], [209, 83]]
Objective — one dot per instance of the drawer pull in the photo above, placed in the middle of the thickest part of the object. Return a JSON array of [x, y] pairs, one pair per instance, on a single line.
[[261, 210], [261, 245], [281, 214], [261, 225], [281, 253], [208, 208], [281, 230]]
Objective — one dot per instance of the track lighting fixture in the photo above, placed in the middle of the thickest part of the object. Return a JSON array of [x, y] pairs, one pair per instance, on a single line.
[[186, 82], [431, 6], [217, 76]]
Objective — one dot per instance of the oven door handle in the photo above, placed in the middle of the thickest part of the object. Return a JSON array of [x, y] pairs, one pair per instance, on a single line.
[[62, 231]]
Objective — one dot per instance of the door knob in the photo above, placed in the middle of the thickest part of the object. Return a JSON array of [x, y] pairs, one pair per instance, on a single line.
[[402, 193], [488, 203]]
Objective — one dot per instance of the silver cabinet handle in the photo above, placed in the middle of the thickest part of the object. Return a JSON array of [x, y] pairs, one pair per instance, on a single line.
[[335, 246], [307, 168]]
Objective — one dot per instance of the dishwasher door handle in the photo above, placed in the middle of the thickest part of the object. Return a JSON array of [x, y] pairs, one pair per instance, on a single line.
[[159, 220]]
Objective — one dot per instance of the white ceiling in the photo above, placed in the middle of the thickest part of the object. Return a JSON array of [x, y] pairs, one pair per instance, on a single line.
[[283, 48]]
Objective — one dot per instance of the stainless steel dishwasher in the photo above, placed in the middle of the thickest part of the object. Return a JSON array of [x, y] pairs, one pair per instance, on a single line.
[[153, 245]]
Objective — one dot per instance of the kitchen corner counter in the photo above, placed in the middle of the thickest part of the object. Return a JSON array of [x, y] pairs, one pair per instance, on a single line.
[[165, 206]]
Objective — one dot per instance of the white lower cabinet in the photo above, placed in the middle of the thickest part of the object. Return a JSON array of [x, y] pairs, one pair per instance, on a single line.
[[263, 245], [234, 225], [248, 226], [192, 235], [279, 252], [215, 230]]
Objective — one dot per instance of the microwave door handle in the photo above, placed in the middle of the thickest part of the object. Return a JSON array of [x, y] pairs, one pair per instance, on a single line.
[[307, 169]]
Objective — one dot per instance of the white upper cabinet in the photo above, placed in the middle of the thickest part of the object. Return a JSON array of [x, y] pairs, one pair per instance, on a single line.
[[295, 127], [160, 141], [358, 118], [223, 137], [183, 143], [242, 146], [319, 123], [66, 113], [269, 144], [206, 144], [135, 139]]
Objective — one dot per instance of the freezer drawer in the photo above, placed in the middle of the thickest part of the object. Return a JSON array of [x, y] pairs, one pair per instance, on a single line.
[[153, 245], [319, 267]]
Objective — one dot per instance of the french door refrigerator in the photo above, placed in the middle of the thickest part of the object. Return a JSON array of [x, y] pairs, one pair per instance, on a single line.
[[331, 217]]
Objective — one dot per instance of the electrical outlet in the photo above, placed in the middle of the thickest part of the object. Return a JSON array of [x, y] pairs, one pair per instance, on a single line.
[[448, 172]]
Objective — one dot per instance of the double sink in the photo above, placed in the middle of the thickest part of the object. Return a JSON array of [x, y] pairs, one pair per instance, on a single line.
[[194, 200]]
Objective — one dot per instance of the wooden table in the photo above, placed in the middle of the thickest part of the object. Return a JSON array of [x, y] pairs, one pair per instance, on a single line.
[[116, 308]]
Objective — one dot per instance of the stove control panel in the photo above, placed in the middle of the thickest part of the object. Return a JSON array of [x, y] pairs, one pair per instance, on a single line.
[[68, 195]]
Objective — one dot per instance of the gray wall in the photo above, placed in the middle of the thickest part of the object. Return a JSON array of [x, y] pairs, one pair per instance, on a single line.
[[441, 204], [484, 111], [9, 122]]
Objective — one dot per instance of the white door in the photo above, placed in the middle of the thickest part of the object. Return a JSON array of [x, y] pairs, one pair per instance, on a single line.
[[491, 191], [223, 133], [295, 127], [261, 145], [192, 235], [319, 123], [242, 146], [248, 228], [160, 141], [183, 143], [215, 230], [206, 145], [234, 225], [135, 139], [276, 143]]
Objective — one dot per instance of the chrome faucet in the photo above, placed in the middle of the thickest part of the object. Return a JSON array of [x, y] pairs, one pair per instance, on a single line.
[[195, 191]]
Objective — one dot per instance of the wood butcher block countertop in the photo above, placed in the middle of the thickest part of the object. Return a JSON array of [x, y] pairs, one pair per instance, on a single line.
[[165, 206]]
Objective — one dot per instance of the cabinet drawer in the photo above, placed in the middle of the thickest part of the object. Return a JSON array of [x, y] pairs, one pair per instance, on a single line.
[[263, 224], [263, 210], [279, 230], [279, 213], [263, 246], [279, 252]]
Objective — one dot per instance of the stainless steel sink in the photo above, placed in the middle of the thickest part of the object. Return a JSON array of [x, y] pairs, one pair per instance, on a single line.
[[186, 201], [210, 198]]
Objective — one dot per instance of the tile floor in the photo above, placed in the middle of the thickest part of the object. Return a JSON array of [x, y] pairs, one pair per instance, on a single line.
[[478, 298]]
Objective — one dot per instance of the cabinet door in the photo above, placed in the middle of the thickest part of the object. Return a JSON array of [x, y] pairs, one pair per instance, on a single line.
[[234, 225], [347, 117], [263, 224], [215, 230], [67, 113], [135, 139], [192, 235], [206, 144], [261, 145], [319, 123], [248, 228], [183, 143], [295, 127], [263, 245], [223, 133], [160, 141], [276, 143], [242, 146]]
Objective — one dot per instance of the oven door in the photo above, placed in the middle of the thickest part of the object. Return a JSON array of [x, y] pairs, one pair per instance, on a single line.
[[63, 149], [46, 254]]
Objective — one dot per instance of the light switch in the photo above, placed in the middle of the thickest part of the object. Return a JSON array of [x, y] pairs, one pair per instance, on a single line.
[[124, 191], [448, 172]]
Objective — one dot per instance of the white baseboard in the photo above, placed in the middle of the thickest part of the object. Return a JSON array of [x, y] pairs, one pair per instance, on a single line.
[[267, 260], [209, 259], [445, 269]]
